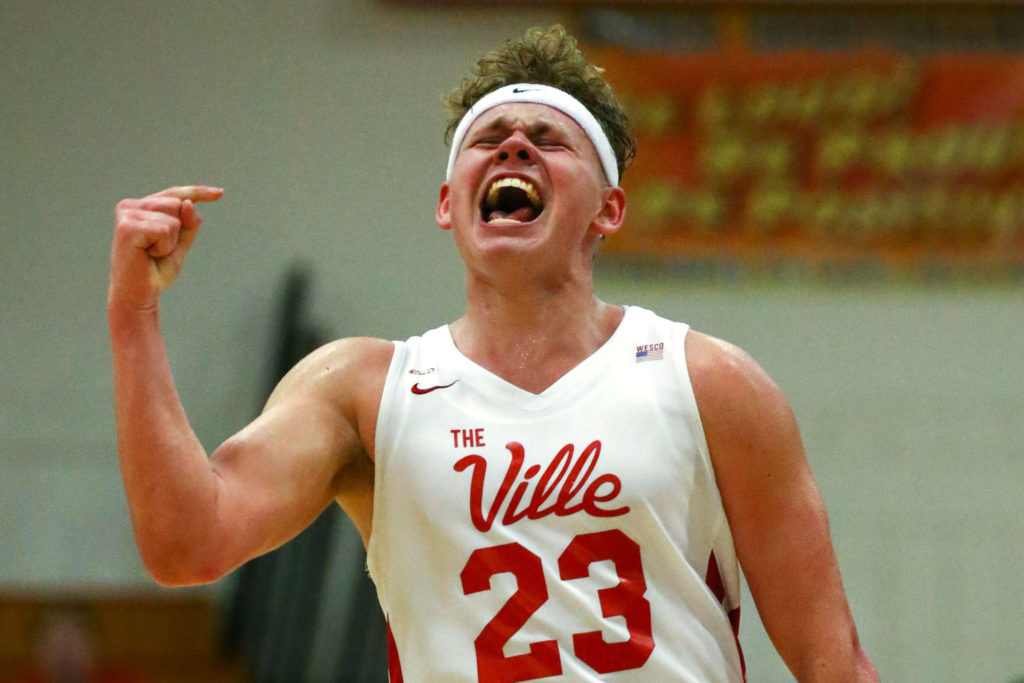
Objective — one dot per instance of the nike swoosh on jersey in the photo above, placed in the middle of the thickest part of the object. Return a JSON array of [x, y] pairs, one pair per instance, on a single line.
[[420, 391]]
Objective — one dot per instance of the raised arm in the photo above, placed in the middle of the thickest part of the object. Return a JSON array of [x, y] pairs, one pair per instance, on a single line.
[[776, 514], [197, 517]]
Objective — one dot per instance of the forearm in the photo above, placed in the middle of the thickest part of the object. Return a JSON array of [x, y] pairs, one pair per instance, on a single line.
[[822, 643], [810, 621], [170, 485]]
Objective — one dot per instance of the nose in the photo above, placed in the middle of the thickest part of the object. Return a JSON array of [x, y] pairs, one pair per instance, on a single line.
[[515, 146], [522, 154]]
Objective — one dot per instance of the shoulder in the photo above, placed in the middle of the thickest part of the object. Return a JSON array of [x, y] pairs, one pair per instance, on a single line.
[[718, 368], [344, 370], [341, 384], [351, 354], [742, 409]]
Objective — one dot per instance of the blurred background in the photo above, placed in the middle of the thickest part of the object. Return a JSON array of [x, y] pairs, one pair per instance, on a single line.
[[834, 186]]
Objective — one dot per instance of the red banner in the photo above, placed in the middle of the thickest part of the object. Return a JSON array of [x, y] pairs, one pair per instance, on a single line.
[[844, 157]]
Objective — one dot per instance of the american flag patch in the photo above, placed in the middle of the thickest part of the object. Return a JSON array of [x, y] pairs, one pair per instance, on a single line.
[[650, 352]]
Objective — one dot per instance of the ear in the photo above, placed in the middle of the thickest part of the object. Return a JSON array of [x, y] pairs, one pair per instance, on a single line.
[[444, 208], [613, 211]]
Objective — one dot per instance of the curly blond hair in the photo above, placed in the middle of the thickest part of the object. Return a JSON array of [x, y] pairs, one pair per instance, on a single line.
[[548, 56]]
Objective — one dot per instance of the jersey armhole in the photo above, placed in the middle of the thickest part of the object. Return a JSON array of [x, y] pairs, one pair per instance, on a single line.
[[384, 438], [721, 537], [384, 429], [694, 421]]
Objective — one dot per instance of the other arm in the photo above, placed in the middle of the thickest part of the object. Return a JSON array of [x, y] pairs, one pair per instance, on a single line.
[[196, 517], [776, 513]]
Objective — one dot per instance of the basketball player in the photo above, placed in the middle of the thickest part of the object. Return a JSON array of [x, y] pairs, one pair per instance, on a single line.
[[551, 487]]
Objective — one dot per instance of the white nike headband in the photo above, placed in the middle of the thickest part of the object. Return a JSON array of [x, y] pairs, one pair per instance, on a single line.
[[540, 94]]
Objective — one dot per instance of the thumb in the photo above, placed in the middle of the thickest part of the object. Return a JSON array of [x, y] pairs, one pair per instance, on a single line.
[[190, 222]]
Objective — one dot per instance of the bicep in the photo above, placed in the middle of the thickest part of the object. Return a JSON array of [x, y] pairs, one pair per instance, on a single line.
[[279, 473], [775, 510]]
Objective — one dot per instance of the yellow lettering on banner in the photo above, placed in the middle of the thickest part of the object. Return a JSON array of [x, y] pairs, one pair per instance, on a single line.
[[834, 160]]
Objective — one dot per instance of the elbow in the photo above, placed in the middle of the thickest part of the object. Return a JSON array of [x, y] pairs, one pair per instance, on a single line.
[[176, 577], [840, 664], [176, 566], [866, 672]]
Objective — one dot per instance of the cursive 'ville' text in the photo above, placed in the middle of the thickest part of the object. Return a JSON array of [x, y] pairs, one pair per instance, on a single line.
[[564, 488]]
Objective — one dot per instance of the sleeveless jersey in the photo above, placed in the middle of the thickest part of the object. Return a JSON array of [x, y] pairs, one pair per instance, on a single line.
[[572, 535]]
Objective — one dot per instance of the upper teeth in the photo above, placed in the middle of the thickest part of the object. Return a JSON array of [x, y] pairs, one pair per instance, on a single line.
[[524, 185]]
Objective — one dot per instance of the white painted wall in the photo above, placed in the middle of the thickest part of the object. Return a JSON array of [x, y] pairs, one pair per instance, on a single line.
[[321, 119]]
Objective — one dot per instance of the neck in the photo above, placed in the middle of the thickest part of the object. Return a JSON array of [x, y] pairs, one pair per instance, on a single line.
[[531, 336]]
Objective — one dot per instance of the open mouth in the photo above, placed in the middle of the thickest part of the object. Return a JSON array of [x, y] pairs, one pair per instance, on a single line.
[[511, 200]]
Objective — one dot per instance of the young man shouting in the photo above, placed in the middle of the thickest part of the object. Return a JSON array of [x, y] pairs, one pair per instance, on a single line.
[[551, 487]]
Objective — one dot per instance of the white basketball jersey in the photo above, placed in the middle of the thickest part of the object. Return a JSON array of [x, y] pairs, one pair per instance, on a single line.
[[571, 535]]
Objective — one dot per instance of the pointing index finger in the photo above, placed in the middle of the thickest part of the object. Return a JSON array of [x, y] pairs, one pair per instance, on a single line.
[[197, 193]]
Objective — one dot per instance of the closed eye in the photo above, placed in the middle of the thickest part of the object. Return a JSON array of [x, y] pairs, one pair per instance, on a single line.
[[552, 144]]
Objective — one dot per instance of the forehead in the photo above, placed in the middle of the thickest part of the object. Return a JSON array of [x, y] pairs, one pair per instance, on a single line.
[[529, 116]]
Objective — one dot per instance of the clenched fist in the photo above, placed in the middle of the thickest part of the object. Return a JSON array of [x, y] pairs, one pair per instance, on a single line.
[[152, 235]]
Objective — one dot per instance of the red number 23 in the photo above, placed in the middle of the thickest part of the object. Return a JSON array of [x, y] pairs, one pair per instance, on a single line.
[[624, 599]]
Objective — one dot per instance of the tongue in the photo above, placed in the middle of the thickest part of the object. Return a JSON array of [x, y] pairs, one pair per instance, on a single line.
[[522, 215]]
